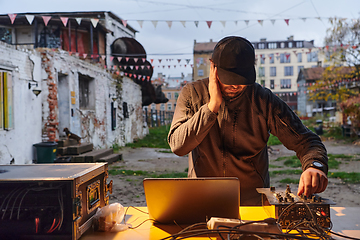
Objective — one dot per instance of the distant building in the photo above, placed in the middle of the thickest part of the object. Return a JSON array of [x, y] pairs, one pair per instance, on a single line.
[[277, 64]]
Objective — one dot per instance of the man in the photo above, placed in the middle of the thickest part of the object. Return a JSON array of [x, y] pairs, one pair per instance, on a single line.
[[225, 122]]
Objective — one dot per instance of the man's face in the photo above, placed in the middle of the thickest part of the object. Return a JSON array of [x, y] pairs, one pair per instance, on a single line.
[[230, 91]]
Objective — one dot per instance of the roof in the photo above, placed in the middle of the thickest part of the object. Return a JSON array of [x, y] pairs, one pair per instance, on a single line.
[[313, 73], [206, 47]]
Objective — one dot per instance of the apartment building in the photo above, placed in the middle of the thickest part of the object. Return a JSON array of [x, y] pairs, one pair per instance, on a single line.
[[277, 64]]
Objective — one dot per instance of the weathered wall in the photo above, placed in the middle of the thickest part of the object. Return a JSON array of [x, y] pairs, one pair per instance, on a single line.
[[42, 118], [17, 143]]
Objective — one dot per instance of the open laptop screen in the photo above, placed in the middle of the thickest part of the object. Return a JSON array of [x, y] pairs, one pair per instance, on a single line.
[[192, 200]]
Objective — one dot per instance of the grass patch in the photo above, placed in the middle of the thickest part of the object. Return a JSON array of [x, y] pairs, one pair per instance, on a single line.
[[289, 180], [274, 166], [124, 172], [157, 138], [283, 172], [273, 141], [352, 177], [164, 151]]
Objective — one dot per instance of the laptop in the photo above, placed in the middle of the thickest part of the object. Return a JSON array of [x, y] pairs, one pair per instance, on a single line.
[[192, 200]]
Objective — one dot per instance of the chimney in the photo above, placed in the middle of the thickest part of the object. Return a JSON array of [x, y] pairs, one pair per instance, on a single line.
[[291, 38], [210, 40], [262, 39]]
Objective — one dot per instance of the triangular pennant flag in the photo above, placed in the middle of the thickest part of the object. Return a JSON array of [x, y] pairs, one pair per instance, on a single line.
[[136, 59], [183, 23], [64, 20], [136, 67], [318, 18], [209, 23], [151, 60], [140, 22], [78, 20], [187, 61], [30, 18], [154, 23], [94, 22], [130, 74], [160, 60], [142, 66], [247, 22], [114, 67], [196, 23], [12, 17], [127, 59], [119, 59], [261, 22], [124, 22], [179, 60], [84, 55], [131, 67], [287, 21], [236, 23], [148, 66], [304, 19], [143, 59], [273, 21], [103, 57], [223, 23], [46, 19], [169, 23], [111, 58], [169, 66]]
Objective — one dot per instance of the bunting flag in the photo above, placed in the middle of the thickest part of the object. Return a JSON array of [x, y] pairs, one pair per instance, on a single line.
[[247, 22], [119, 59], [272, 21], [140, 23], [304, 19], [169, 23], [78, 20], [46, 19], [124, 22], [12, 17], [223, 23], [261, 22], [30, 18], [235, 23], [94, 21], [154, 23], [287, 21], [183, 23], [209, 23], [64, 20], [196, 23]]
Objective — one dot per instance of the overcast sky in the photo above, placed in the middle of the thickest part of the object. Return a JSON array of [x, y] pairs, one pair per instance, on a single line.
[[307, 20]]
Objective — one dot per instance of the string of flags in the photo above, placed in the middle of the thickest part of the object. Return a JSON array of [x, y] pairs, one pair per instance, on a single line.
[[322, 87], [169, 23]]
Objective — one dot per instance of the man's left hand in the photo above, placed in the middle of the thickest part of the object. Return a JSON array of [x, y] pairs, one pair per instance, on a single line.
[[312, 180]]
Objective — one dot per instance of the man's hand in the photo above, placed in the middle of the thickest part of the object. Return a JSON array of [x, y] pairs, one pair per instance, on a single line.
[[312, 180], [214, 90]]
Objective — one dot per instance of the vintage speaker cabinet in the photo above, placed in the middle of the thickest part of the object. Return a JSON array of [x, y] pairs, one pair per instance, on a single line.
[[51, 201]]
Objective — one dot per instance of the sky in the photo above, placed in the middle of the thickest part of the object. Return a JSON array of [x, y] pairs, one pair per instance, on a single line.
[[307, 20]]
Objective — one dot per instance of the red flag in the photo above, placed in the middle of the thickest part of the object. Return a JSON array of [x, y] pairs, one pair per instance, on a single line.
[[287, 21], [209, 23], [111, 58], [64, 20], [124, 22], [46, 19], [12, 17]]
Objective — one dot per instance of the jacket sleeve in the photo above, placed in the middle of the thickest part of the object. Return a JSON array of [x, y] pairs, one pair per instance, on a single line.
[[191, 122], [290, 130]]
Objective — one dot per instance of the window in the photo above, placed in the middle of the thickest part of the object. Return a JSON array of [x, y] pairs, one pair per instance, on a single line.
[[312, 57], [272, 71], [261, 46], [169, 106], [125, 110], [285, 58], [299, 44], [200, 72], [153, 106], [6, 35], [282, 45], [86, 92], [6, 101], [174, 106], [285, 83], [272, 45], [299, 68], [288, 71], [271, 58], [262, 82], [200, 61], [262, 59], [299, 57], [261, 71], [176, 94], [169, 95], [162, 107], [272, 84], [290, 44]]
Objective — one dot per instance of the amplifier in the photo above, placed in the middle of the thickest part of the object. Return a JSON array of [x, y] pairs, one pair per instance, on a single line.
[[51, 201]]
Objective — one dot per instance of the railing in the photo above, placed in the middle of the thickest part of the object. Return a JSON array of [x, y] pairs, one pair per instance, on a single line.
[[155, 118]]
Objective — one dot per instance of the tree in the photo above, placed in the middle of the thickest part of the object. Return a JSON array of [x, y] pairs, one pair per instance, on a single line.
[[342, 48]]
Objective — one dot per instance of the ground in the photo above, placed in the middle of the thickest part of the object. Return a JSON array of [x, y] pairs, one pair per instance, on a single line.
[[128, 189]]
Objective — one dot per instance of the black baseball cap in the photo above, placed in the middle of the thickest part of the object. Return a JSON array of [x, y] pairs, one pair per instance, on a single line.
[[234, 58]]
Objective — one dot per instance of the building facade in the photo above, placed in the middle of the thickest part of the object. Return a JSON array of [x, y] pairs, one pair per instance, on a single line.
[[277, 64]]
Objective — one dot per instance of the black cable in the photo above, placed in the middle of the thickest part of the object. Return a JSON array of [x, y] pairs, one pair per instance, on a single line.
[[149, 219]]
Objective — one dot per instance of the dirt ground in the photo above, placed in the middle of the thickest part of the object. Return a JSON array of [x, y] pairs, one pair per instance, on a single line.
[[128, 190]]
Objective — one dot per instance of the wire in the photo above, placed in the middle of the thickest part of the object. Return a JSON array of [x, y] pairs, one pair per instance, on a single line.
[[149, 219]]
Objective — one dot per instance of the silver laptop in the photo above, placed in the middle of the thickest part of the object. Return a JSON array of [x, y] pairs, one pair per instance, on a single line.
[[192, 200]]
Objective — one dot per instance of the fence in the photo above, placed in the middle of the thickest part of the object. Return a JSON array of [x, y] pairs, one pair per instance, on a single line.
[[155, 118]]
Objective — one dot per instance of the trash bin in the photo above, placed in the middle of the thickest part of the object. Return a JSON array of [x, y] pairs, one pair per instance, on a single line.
[[45, 152]]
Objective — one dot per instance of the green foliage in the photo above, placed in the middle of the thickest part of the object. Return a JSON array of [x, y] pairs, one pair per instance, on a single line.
[[273, 140], [116, 147], [352, 177], [283, 172], [289, 180], [157, 138], [293, 162]]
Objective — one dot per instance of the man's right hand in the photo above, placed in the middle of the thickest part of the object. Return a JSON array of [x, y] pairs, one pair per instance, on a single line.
[[214, 90]]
